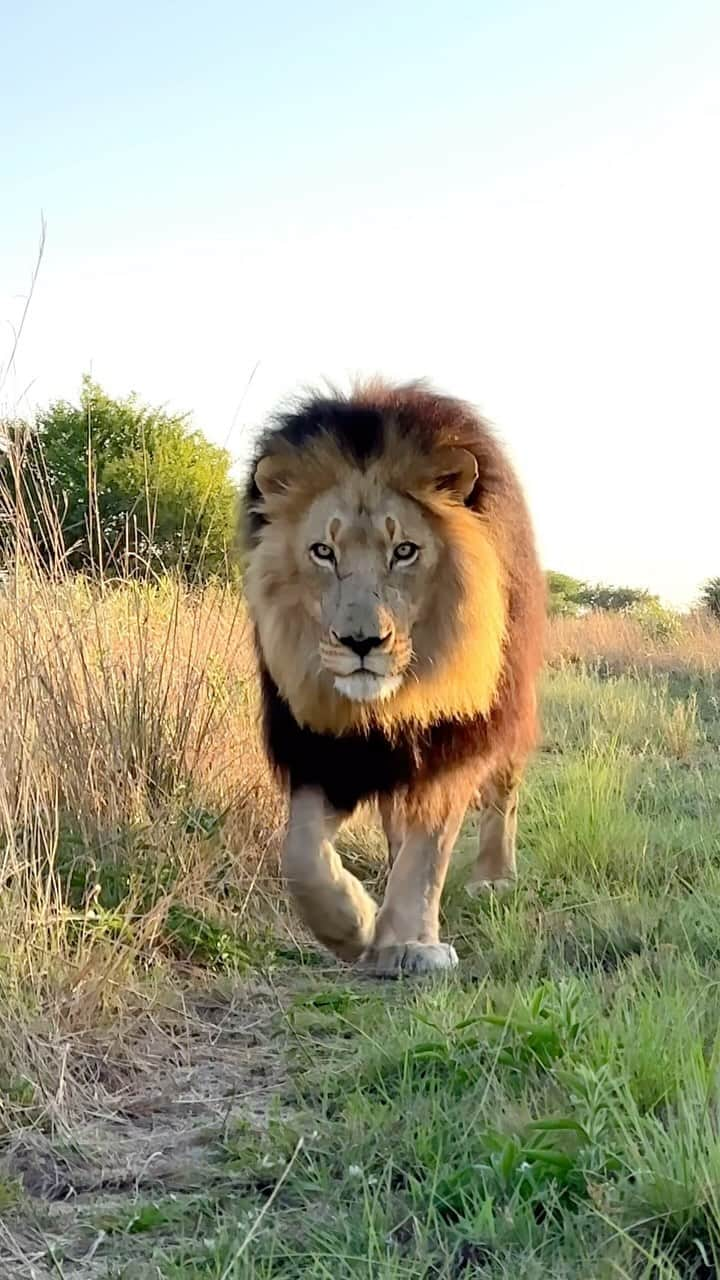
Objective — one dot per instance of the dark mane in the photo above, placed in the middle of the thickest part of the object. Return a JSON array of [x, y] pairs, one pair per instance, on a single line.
[[359, 423]]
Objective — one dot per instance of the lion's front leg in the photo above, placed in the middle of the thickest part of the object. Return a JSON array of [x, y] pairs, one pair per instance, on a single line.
[[330, 900], [407, 930]]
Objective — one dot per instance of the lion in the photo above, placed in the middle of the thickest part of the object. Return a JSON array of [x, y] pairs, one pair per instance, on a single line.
[[398, 607]]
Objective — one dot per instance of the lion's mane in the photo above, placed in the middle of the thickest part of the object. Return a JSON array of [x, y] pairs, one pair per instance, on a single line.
[[473, 714]]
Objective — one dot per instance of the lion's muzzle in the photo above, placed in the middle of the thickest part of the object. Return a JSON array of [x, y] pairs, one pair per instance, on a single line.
[[372, 676], [363, 648]]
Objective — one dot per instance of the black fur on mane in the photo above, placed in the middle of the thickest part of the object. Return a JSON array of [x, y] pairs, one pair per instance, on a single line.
[[359, 423], [361, 766]]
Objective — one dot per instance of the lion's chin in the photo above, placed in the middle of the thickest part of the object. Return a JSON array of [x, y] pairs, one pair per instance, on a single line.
[[364, 686]]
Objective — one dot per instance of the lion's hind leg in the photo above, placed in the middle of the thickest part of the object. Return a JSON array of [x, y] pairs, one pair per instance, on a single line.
[[394, 826], [496, 866], [330, 900]]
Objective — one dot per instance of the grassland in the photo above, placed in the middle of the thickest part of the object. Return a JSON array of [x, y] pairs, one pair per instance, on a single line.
[[189, 1088]]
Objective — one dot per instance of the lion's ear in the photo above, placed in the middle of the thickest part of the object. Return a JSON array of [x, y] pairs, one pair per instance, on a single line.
[[455, 472], [272, 475]]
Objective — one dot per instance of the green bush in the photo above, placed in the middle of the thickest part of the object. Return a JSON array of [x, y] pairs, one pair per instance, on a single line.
[[114, 483], [565, 594], [657, 622]]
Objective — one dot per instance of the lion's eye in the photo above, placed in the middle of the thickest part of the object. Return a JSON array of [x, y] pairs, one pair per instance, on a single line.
[[322, 553], [405, 552]]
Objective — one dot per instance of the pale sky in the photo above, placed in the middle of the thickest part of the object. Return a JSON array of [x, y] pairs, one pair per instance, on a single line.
[[518, 201]]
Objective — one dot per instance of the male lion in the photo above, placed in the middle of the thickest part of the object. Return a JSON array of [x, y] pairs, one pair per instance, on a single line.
[[398, 608]]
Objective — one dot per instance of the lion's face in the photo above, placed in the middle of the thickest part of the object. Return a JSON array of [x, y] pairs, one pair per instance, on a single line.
[[376, 594], [367, 558]]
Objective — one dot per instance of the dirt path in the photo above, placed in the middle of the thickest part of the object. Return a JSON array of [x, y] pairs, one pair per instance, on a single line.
[[150, 1136]]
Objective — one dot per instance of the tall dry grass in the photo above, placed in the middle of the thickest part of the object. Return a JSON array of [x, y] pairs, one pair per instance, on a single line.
[[621, 643], [137, 816], [129, 738], [117, 698]]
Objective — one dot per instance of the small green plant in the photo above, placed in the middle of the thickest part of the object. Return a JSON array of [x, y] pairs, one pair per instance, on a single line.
[[194, 936], [10, 1194]]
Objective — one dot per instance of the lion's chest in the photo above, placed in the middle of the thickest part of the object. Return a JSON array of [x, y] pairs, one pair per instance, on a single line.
[[354, 767]]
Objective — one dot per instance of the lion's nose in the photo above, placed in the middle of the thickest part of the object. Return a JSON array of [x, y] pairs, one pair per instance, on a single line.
[[362, 645]]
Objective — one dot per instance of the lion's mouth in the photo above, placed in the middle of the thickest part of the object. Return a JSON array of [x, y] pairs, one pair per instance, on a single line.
[[366, 686]]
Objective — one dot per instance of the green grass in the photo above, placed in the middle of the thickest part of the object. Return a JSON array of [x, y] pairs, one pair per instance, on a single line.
[[551, 1111]]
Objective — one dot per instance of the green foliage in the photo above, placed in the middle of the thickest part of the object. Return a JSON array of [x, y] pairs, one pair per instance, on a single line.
[[569, 596], [565, 594], [193, 936], [710, 597], [107, 483], [614, 599], [107, 890], [10, 1194], [657, 622]]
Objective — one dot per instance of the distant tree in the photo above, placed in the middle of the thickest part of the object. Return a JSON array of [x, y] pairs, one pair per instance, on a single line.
[[710, 597], [569, 596], [615, 599], [565, 594], [113, 482]]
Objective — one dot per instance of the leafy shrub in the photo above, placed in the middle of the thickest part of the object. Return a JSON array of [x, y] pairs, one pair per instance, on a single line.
[[565, 594], [113, 484], [657, 622]]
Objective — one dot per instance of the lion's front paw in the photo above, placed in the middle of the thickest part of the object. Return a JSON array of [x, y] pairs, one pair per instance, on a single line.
[[341, 915], [484, 888], [410, 958]]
